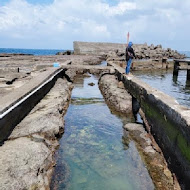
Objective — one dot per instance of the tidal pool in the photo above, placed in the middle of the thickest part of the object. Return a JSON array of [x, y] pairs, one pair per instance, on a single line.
[[93, 153]]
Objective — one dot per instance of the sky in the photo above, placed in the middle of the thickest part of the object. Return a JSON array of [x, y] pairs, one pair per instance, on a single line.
[[55, 24]]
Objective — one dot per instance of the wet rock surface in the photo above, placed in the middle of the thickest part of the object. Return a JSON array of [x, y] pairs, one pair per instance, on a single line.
[[115, 94], [156, 164], [27, 157]]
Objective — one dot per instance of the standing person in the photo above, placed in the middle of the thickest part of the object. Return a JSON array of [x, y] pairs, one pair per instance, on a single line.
[[130, 54]]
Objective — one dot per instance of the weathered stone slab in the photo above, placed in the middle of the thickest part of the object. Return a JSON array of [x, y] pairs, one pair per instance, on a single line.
[[11, 98]]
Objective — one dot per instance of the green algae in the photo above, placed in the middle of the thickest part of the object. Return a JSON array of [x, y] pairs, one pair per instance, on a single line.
[[177, 140], [84, 101], [95, 151]]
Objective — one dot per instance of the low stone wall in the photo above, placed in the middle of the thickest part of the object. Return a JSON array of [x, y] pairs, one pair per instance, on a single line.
[[170, 122], [140, 65]]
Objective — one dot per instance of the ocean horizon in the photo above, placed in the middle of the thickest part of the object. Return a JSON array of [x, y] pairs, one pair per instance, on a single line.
[[52, 51], [31, 51]]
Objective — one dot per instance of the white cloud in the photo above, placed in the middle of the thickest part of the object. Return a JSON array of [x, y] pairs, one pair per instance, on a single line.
[[58, 24], [120, 9]]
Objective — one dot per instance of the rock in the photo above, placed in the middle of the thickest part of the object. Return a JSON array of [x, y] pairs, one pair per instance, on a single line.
[[121, 85], [152, 47], [91, 84], [115, 94], [156, 164], [25, 164], [68, 52], [46, 116], [27, 160]]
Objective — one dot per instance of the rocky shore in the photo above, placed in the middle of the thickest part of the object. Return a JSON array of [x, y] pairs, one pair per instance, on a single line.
[[27, 159], [154, 160]]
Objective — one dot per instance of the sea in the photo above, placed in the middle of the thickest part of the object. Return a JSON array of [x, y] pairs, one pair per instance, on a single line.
[[31, 51], [51, 51]]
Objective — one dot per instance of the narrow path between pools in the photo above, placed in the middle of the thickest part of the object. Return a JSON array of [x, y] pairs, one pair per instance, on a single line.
[[93, 153]]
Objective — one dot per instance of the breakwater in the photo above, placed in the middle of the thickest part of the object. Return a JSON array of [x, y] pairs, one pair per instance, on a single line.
[[142, 51], [169, 121]]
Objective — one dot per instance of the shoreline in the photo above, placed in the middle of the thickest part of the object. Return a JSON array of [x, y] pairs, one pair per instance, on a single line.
[[32, 66]]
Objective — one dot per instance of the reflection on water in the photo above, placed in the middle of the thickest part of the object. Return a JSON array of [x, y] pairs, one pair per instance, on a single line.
[[93, 153], [175, 86]]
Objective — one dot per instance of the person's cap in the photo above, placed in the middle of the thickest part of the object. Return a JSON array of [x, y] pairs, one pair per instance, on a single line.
[[130, 44]]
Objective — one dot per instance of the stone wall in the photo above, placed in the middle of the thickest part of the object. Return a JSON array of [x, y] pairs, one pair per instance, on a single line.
[[169, 121], [94, 48], [143, 51]]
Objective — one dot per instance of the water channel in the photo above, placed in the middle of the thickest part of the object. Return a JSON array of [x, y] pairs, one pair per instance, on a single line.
[[93, 153]]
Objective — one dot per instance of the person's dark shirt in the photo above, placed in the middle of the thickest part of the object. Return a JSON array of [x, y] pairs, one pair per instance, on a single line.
[[130, 49]]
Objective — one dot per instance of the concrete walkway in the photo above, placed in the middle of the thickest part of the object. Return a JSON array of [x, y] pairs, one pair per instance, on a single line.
[[17, 104]]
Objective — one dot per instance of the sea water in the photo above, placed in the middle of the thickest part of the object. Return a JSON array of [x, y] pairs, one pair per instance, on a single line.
[[31, 51], [164, 80]]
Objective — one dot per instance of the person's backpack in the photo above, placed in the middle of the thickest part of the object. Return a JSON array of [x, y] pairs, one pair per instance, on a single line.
[[128, 54]]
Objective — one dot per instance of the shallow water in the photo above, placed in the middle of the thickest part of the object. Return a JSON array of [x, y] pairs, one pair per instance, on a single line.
[[177, 87], [93, 153]]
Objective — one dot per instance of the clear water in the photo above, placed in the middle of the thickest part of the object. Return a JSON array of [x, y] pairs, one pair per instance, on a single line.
[[177, 87], [31, 51], [93, 153]]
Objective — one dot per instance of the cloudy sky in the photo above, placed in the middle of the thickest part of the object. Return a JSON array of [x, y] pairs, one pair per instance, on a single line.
[[55, 24]]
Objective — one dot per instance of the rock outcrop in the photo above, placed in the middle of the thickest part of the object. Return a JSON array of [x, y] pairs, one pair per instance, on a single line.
[[156, 164], [27, 159], [68, 52], [115, 94]]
